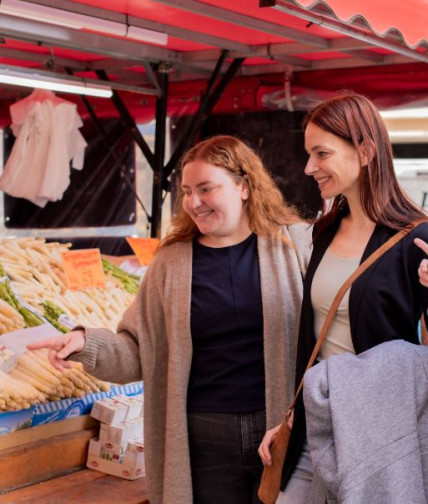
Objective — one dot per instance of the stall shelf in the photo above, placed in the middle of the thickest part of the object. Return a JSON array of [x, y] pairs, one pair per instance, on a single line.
[[82, 487]]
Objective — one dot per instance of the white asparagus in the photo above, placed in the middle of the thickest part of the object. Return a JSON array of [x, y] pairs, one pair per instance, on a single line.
[[26, 375], [26, 361]]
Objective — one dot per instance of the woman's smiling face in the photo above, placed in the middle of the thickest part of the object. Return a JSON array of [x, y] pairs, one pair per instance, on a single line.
[[215, 202], [333, 163]]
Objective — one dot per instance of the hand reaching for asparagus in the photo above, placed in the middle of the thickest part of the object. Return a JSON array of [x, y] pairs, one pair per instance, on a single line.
[[61, 347]]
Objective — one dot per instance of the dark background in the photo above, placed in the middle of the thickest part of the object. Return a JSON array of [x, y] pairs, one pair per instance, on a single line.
[[100, 195], [278, 139]]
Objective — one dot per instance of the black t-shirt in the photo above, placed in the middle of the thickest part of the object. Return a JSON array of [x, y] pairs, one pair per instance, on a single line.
[[227, 374]]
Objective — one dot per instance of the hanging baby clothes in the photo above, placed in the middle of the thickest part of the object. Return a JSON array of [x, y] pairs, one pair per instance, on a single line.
[[47, 140]]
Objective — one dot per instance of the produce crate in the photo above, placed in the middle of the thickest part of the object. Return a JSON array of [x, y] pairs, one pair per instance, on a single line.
[[50, 439], [40, 453]]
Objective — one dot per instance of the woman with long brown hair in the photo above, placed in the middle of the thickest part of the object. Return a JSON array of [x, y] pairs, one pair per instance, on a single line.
[[351, 160], [212, 331]]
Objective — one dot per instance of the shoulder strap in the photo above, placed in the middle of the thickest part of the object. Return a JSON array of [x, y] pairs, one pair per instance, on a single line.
[[338, 298]]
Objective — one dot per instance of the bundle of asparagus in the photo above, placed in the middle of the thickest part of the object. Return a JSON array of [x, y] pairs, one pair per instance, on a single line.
[[17, 394], [29, 317], [129, 281], [52, 314], [34, 379]]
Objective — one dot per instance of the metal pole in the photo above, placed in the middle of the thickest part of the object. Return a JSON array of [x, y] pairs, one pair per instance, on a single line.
[[159, 155]]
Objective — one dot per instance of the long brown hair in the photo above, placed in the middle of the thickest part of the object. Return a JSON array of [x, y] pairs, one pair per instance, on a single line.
[[265, 206], [356, 120]]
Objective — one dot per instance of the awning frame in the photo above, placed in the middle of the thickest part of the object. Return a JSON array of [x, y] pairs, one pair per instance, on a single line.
[[344, 29]]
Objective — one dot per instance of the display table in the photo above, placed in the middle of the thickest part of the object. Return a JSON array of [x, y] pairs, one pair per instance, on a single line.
[[82, 487]]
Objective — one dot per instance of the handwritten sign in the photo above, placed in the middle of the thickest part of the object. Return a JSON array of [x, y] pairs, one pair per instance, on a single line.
[[144, 248], [83, 269]]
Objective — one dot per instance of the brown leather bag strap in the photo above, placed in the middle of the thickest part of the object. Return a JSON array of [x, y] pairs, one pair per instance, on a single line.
[[338, 298]]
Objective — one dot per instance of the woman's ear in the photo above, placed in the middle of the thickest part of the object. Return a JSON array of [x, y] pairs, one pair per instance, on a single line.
[[367, 152], [245, 191]]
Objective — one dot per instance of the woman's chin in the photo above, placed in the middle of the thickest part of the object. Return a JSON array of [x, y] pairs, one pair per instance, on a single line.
[[326, 195], [204, 230]]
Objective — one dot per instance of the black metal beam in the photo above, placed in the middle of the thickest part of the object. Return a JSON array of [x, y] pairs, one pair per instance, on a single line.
[[112, 151], [129, 121], [208, 102], [159, 156], [188, 135]]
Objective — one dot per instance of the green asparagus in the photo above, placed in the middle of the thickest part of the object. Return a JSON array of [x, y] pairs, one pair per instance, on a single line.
[[130, 282], [52, 312], [7, 294]]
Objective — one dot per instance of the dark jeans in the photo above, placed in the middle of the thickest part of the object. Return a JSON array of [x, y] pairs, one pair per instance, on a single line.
[[226, 467]]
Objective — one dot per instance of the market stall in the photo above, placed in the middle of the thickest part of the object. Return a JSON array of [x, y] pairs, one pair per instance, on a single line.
[[44, 420], [157, 59], [169, 58]]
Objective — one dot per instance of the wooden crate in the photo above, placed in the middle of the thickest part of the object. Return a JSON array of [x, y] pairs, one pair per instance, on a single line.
[[39, 453]]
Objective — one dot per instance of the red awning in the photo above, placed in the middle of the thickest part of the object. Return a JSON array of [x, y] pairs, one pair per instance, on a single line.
[[306, 48], [408, 17]]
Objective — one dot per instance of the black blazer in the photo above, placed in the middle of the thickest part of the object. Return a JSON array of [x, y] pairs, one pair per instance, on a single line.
[[385, 303]]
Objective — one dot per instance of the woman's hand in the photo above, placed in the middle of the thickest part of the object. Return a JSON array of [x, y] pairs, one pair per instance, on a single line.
[[61, 347], [264, 448], [423, 267]]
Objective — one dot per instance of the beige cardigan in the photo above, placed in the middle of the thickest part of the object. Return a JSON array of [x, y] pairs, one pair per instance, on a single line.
[[154, 342]]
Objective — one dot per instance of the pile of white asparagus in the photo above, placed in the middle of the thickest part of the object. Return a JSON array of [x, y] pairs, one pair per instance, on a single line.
[[34, 380], [35, 270], [37, 275]]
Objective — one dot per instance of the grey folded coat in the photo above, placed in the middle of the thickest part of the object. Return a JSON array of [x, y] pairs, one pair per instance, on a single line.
[[367, 426]]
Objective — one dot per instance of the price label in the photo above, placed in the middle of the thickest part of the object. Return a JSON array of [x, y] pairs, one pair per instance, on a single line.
[[144, 248], [83, 269]]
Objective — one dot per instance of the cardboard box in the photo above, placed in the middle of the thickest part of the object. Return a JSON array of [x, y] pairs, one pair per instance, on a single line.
[[138, 425], [133, 405], [131, 470], [117, 434], [133, 458], [120, 449], [106, 450], [109, 411], [135, 446]]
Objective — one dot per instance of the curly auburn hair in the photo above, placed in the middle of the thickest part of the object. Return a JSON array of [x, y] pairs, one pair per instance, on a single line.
[[265, 206]]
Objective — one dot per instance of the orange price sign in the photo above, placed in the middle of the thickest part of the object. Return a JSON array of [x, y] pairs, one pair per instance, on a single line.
[[144, 248], [83, 269]]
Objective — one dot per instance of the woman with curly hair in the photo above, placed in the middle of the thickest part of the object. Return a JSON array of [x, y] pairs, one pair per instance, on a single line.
[[212, 331]]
